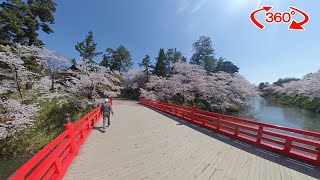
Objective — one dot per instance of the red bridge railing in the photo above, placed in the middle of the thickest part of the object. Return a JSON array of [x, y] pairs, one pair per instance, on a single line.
[[53, 160], [290, 142]]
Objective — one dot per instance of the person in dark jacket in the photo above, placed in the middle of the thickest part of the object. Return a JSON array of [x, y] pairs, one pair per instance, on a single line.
[[105, 111]]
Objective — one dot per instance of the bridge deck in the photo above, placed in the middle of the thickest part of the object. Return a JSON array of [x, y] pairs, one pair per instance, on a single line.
[[144, 144]]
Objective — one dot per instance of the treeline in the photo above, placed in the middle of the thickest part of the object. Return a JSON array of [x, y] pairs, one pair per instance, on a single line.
[[21, 21], [304, 92], [119, 59], [203, 55]]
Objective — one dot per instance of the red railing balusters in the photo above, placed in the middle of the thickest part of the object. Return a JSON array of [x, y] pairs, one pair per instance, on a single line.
[[287, 146], [259, 137], [193, 112], [175, 109], [251, 131], [71, 135], [57, 167], [218, 123], [53, 160], [318, 158], [236, 131]]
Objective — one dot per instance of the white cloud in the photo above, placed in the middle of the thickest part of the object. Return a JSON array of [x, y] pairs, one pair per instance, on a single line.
[[189, 6]]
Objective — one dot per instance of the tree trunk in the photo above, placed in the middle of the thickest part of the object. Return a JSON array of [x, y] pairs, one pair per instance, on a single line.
[[52, 82], [18, 85]]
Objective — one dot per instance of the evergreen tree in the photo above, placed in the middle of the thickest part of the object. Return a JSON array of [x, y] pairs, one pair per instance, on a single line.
[[42, 10], [173, 56], [20, 21], [119, 59], [178, 57], [87, 48], [105, 61], [183, 59], [203, 54], [146, 64], [226, 66], [73, 61], [160, 67], [170, 57]]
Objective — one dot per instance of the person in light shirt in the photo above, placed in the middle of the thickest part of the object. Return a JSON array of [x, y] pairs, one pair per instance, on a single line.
[[105, 111]]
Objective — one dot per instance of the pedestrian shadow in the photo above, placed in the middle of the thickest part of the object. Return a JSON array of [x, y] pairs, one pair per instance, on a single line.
[[294, 164], [99, 129]]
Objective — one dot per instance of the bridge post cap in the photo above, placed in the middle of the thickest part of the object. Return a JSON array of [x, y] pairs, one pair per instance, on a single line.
[[67, 119]]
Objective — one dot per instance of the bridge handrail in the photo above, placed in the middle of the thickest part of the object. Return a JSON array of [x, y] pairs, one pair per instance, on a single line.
[[53, 160], [287, 141]]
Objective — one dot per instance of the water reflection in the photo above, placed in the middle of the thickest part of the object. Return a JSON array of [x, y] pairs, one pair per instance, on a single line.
[[268, 111]]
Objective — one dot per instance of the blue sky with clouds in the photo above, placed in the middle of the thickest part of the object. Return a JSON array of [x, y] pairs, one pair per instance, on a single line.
[[144, 26]]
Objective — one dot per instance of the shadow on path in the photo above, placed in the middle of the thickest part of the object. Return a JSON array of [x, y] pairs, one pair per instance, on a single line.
[[99, 129], [300, 166]]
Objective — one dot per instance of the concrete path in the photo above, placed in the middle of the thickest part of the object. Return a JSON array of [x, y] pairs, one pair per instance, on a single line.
[[145, 144]]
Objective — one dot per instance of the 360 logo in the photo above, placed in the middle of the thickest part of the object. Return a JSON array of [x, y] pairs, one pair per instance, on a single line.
[[280, 17]]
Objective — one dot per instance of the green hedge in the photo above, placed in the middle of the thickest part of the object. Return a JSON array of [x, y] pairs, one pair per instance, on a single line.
[[304, 102]]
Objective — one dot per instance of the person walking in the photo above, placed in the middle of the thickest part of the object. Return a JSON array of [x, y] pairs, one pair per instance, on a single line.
[[105, 111]]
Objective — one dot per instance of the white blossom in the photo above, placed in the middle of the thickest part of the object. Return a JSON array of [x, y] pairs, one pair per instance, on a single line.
[[307, 86], [221, 90], [19, 115], [133, 79], [13, 72], [87, 80]]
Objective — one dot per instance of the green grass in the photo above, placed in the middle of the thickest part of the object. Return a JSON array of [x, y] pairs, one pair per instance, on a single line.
[[299, 101], [48, 124]]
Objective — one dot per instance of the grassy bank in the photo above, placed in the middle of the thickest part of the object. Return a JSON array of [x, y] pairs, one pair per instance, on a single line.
[[48, 124], [302, 102]]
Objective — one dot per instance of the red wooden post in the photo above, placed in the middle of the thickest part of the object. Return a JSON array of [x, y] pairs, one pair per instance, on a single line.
[[236, 131], [287, 146], [193, 113], [57, 165], [68, 126], [260, 133], [318, 158], [110, 102], [218, 123]]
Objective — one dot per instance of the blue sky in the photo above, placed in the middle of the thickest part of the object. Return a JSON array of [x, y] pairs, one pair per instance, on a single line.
[[144, 26]]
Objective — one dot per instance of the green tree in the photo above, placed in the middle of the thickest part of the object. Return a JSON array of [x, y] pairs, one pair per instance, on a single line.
[[226, 66], [170, 58], [173, 56], [146, 65], [119, 59], [73, 61], [263, 85], [105, 61], [204, 54], [281, 81], [183, 59], [20, 21], [87, 48], [160, 67], [42, 14]]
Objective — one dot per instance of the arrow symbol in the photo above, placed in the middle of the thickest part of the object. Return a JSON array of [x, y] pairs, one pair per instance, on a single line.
[[298, 26], [254, 20]]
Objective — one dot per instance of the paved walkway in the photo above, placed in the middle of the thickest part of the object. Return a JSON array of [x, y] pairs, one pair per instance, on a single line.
[[145, 144]]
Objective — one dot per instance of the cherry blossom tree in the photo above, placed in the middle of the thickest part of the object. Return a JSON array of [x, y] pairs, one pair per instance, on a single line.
[[53, 63], [87, 81], [307, 86], [190, 83], [20, 116], [134, 79], [13, 68]]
